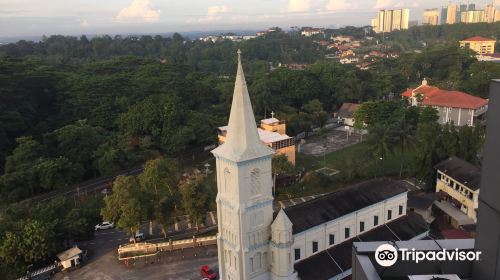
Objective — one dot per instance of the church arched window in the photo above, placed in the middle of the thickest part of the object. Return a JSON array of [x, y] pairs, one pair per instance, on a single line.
[[255, 181], [227, 179]]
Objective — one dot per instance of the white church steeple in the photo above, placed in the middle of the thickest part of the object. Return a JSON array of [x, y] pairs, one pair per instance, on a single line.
[[243, 142], [244, 196]]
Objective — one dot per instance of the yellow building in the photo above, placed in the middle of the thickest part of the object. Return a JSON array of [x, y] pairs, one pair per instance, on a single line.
[[272, 132], [479, 44], [451, 16], [490, 13], [390, 20], [472, 17], [431, 17], [457, 184]]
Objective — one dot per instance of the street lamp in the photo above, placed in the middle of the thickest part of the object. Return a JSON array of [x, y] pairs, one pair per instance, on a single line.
[[207, 165]]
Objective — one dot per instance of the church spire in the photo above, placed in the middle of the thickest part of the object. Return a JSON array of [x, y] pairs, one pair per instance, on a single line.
[[242, 141]]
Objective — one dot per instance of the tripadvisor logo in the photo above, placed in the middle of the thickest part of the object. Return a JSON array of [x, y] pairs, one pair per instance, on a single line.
[[386, 255]]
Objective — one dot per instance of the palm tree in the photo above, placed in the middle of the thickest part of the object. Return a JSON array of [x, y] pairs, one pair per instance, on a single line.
[[381, 140], [405, 133]]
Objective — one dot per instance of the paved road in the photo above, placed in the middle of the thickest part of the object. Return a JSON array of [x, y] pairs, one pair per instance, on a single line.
[[181, 229], [178, 265]]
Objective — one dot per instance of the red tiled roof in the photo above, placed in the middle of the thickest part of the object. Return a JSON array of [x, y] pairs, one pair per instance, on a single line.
[[434, 96], [479, 39]]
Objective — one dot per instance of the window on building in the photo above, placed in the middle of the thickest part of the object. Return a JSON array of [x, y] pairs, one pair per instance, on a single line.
[[389, 214], [315, 246], [400, 209], [331, 239], [252, 267], [347, 232], [361, 226], [297, 254], [375, 220]]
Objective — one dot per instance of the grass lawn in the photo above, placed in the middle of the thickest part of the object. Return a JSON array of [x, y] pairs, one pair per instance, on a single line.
[[355, 164]]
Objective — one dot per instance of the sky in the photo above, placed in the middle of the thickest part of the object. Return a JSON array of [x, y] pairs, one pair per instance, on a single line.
[[75, 17]]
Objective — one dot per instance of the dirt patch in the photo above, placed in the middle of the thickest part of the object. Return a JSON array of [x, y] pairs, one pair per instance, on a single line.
[[333, 140]]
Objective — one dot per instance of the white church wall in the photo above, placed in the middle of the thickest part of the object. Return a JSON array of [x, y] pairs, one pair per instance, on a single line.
[[321, 233]]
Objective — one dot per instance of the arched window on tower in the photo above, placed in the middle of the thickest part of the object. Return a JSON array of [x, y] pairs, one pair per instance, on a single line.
[[227, 179], [255, 181]]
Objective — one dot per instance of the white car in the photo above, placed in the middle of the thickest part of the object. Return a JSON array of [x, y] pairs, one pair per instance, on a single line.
[[104, 225], [139, 236]]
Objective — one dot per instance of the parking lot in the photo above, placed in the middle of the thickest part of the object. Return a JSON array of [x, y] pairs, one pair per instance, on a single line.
[[181, 264]]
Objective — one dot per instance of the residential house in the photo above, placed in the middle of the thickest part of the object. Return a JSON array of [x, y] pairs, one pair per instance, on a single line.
[[345, 115], [454, 107], [480, 45], [457, 185], [309, 31], [349, 60]]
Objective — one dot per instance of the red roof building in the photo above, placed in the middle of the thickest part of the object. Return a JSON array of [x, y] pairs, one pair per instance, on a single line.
[[479, 39], [453, 106]]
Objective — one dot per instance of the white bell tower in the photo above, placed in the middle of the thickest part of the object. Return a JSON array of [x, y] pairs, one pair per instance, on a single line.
[[244, 193]]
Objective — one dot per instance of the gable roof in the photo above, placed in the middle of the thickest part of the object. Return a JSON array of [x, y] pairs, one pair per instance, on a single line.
[[347, 110], [433, 96], [467, 174], [338, 259], [69, 254], [337, 204], [478, 39]]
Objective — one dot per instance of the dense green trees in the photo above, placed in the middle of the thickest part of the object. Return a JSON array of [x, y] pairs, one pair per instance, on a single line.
[[396, 125], [31, 234], [195, 200]]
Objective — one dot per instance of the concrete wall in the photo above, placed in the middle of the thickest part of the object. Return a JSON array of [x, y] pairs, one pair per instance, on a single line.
[[320, 234], [458, 116], [488, 226], [445, 183], [289, 152]]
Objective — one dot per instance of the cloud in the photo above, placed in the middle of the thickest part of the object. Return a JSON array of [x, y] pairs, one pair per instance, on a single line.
[[139, 9], [239, 18], [415, 4], [84, 23], [382, 4], [214, 13], [338, 5], [214, 10], [299, 5]]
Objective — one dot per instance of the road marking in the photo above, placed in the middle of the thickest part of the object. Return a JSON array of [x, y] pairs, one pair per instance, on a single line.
[[189, 225], [282, 204], [313, 197], [293, 202], [176, 226], [213, 217], [303, 199]]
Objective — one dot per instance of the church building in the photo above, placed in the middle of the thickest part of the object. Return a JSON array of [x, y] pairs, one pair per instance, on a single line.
[[311, 240]]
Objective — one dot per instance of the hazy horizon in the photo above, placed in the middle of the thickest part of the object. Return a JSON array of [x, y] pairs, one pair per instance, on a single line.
[[30, 18]]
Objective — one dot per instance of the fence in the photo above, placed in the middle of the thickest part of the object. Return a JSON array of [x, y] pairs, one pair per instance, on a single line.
[[142, 250]]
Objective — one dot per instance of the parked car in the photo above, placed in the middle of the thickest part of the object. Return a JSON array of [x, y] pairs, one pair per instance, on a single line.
[[206, 272], [104, 225], [139, 236]]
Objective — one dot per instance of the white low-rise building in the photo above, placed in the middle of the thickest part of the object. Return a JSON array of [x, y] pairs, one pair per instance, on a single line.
[[255, 242]]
